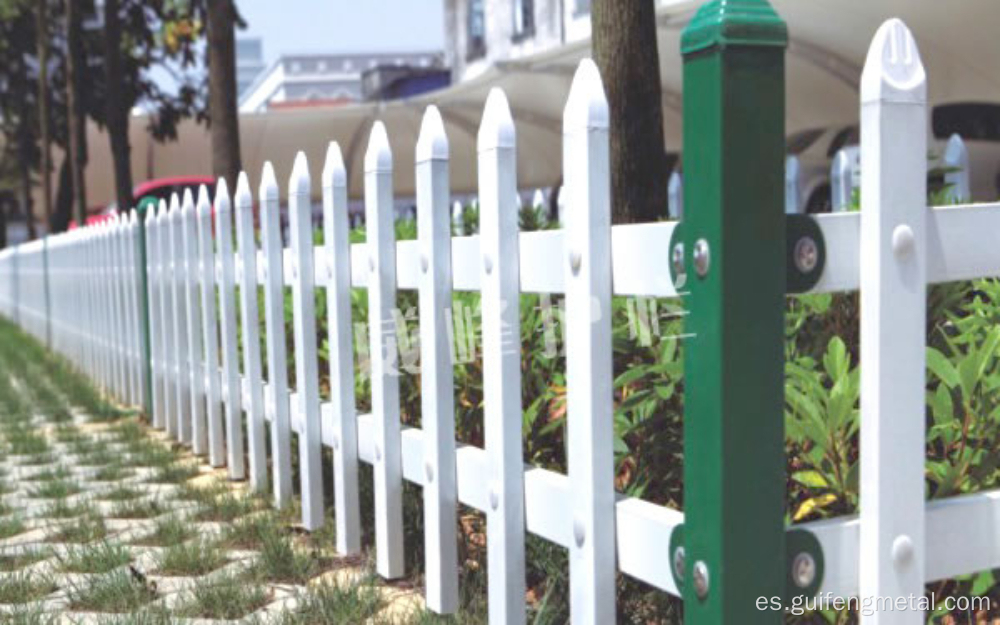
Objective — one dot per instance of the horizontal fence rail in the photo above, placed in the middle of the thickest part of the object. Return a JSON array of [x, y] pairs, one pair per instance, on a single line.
[[220, 382]]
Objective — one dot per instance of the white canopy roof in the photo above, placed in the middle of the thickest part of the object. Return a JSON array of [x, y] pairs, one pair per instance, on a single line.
[[828, 43]]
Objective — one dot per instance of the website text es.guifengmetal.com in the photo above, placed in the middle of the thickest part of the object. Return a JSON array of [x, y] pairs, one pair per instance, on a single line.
[[868, 606]]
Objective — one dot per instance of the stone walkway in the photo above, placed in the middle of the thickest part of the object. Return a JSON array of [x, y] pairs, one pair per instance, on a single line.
[[102, 520]]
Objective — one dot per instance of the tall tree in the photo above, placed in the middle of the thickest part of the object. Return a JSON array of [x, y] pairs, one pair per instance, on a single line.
[[116, 109], [76, 113], [42, 43], [222, 109], [625, 50]]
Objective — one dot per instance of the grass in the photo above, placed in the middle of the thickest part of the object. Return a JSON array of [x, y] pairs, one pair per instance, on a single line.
[[168, 532], [11, 562], [60, 509], [197, 557], [137, 509], [121, 493], [11, 526], [225, 506], [101, 557], [118, 592], [147, 453], [23, 442], [38, 459], [173, 473], [57, 489], [113, 472], [25, 588], [85, 530], [336, 603], [280, 562], [226, 597], [51, 475]]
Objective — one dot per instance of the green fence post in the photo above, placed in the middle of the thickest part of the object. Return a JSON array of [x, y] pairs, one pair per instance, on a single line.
[[147, 364], [734, 246]]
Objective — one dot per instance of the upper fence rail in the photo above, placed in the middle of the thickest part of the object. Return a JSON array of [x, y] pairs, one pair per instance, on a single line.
[[84, 291]]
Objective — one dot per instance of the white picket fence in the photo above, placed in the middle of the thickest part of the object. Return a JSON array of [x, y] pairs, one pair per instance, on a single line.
[[203, 396]]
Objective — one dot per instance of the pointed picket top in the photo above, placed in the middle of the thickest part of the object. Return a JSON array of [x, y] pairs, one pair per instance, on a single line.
[[150, 215], [133, 218], [587, 105], [161, 214], [378, 158], [222, 197], [175, 207], [538, 200], [204, 206], [433, 141], [497, 128], [243, 198], [893, 70], [187, 205], [299, 182], [334, 172], [268, 188]]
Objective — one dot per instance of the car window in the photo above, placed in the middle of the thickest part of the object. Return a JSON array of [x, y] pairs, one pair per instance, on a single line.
[[847, 136], [970, 120], [799, 142]]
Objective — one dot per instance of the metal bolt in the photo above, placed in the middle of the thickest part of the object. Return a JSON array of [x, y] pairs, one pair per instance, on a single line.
[[494, 497], [679, 563], [806, 254], [488, 263], [424, 263], [371, 263], [804, 570], [700, 577], [429, 471], [378, 454], [575, 259], [702, 257], [677, 259], [579, 531]]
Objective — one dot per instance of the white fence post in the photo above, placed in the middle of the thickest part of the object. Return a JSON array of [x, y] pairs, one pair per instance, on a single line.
[[231, 390], [183, 363], [893, 321], [380, 246], [436, 367], [276, 395], [209, 323], [341, 352], [589, 373], [195, 373], [166, 277], [306, 367], [956, 157], [251, 333], [501, 330]]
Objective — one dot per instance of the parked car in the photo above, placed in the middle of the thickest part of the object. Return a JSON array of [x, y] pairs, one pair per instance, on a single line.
[[152, 190], [977, 123]]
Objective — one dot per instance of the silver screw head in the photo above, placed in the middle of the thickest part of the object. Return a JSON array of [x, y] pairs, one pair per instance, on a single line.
[[700, 578], [575, 259], [488, 263], [679, 563], [494, 497], [702, 257], [804, 570], [677, 259], [579, 532], [378, 454], [424, 263], [806, 254], [429, 472]]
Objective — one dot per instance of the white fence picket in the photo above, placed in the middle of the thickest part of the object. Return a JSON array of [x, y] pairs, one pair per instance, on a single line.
[[153, 296], [437, 378], [274, 319], [209, 323], [380, 244], [195, 372], [251, 333], [501, 329], [183, 362], [304, 329], [589, 371], [893, 321], [336, 244], [165, 277]]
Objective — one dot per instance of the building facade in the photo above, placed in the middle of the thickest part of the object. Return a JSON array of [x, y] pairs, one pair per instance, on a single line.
[[249, 62], [304, 79], [480, 33]]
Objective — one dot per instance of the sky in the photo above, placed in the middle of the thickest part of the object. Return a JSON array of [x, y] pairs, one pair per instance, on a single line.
[[291, 26]]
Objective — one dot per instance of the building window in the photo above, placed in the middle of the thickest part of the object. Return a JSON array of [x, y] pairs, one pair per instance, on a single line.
[[582, 7], [477, 29], [524, 18]]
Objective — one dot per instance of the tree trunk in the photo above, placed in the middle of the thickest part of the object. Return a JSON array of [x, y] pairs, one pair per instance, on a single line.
[[26, 207], [64, 198], [625, 50], [117, 108], [3, 223], [222, 112], [42, 34], [75, 114]]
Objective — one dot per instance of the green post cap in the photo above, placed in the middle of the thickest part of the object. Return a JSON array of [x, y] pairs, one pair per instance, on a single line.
[[734, 22], [145, 203]]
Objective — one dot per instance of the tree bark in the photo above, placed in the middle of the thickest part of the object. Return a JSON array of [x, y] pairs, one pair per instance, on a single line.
[[75, 114], [42, 34], [63, 209], [26, 207], [222, 111], [117, 108], [625, 50]]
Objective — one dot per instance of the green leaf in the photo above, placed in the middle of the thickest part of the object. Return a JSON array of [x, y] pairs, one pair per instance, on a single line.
[[811, 479], [942, 368]]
